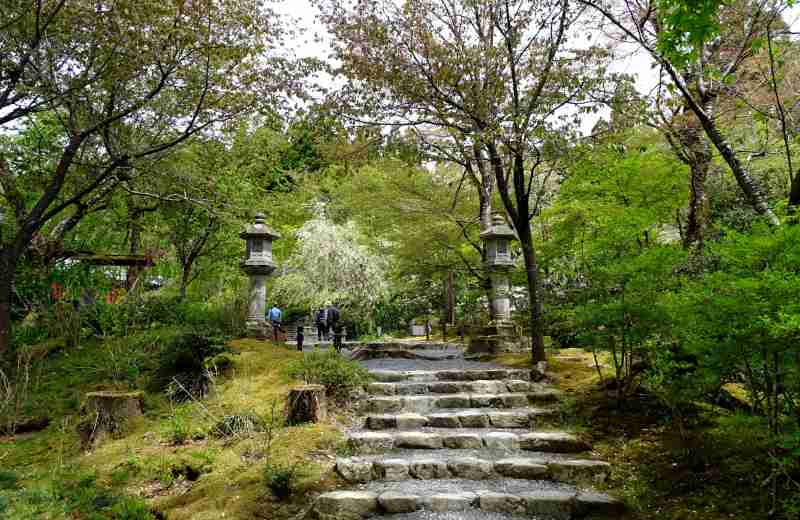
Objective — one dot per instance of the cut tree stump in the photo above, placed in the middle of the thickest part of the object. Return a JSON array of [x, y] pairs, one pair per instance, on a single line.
[[108, 413], [306, 404]]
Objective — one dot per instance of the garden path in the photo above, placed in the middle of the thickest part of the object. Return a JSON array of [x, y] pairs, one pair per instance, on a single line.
[[445, 438]]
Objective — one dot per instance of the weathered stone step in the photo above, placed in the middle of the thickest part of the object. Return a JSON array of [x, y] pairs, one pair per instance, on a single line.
[[409, 345], [425, 403], [510, 496], [394, 376], [461, 418], [553, 442], [573, 471], [456, 387]]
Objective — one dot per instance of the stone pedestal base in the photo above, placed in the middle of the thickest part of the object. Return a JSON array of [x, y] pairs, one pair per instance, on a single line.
[[496, 338], [258, 329]]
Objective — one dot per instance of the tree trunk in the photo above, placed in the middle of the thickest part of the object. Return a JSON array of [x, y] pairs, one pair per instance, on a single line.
[[186, 273], [699, 157], [7, 271], [746, 182], [135, 241], [451, 299], [794, 192], [532, 272]]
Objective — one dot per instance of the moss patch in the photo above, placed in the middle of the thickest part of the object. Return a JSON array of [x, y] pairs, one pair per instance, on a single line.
[[201, 476]]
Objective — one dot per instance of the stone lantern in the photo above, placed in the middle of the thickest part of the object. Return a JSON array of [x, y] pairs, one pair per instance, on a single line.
[[499, 336], [499, 263], [258, 265]]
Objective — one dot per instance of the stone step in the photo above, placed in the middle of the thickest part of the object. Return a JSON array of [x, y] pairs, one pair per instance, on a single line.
[[494, 374], [457, 387], [546, 442], [511, 496], [426, 403], [409, 345], [460, 418], [572, 471]]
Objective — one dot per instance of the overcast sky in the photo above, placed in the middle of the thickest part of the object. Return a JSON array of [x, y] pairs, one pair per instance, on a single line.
[[634, 63]]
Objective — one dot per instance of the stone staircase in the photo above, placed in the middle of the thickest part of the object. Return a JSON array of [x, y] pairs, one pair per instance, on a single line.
[[464, 441]]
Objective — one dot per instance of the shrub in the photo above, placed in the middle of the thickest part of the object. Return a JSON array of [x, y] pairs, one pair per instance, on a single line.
[[178, 429], [183, 368], [8, 479], [282, 479], [338, 375]]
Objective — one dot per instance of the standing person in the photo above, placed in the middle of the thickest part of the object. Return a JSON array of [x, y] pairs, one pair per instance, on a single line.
[[275, 319], [300, 337], [322, 324], [335, 326]]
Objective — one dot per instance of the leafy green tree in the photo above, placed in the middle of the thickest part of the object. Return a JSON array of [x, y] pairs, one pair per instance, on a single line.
[[609, 248], [422, 220], [331, 265], [700, 59], [485, 78], [125, 82]]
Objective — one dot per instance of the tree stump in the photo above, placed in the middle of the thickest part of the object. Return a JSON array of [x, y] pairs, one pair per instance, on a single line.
[[306, 404], [108, 413]]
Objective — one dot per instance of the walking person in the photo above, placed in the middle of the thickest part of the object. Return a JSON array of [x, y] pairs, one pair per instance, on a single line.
[[275, 315], [334, 322], [322, 324]]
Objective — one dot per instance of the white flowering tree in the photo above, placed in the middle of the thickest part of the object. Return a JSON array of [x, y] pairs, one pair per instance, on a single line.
[[330, 265]]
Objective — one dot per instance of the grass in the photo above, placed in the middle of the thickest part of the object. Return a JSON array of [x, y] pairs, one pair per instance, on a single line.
[[713, 473], [168, 461]]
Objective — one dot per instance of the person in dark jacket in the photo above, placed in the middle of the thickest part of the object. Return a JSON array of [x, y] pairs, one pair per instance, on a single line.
[[322, 324], [300, 337], [334, 322]]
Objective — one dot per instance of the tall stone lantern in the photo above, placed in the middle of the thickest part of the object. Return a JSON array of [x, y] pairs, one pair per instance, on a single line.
[[499, 335], [499, 263], [258, 265]]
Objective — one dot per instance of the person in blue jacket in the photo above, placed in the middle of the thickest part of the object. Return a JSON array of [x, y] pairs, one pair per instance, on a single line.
[[275, 319]]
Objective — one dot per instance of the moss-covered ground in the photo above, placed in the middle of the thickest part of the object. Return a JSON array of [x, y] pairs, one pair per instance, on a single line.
[[169, 464]]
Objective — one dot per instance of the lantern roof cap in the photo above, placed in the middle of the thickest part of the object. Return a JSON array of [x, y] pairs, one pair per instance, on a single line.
[[259, 229], [499, 229]]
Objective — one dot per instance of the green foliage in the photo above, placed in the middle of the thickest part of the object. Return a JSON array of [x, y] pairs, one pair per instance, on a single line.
[[338, 375], [8, 479], [72, 496], [687, 26], [331, 265], [183, 369], [241, 424], [742, 320], [282, 479], [178, 428]]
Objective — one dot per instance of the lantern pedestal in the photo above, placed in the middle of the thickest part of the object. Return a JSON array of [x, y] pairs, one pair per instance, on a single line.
[[495, 338], [257, 296]]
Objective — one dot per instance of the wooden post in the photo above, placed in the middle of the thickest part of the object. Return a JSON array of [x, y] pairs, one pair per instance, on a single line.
[[306, 404]]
